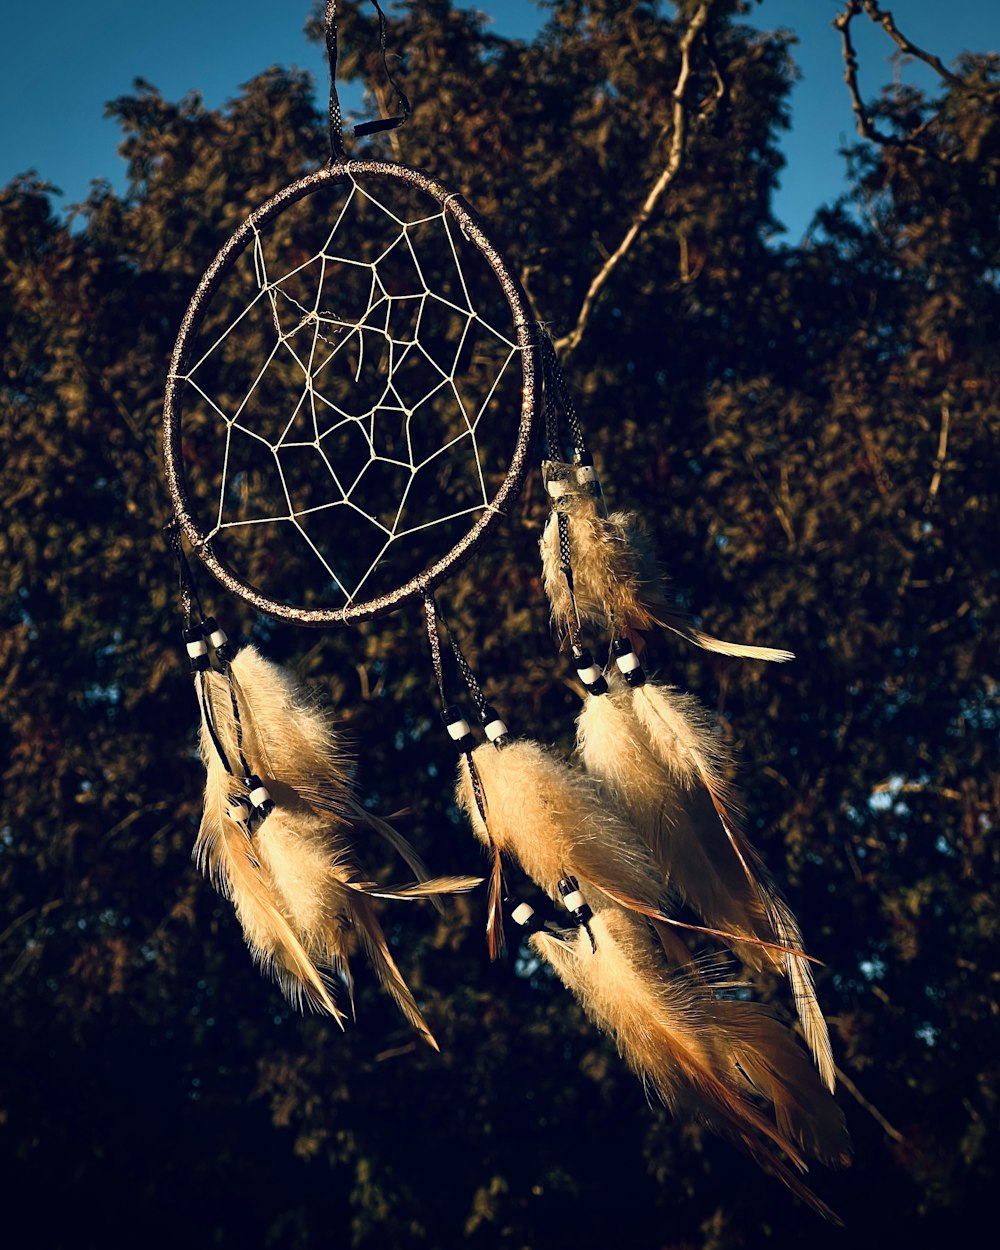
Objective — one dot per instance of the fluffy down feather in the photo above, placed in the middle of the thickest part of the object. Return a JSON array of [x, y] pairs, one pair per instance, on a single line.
[[300, 852], [616, 581], [656, 758], [224, 853], [298, 741], [552, 820], [705, 1057]]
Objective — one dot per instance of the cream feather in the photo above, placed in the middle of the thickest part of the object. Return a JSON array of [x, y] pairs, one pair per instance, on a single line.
[[705, 1057], [551, 819], [301, 847], [616, 581], [224, 853], [301, 745], [327, 906], [688, 845], [654, 752]]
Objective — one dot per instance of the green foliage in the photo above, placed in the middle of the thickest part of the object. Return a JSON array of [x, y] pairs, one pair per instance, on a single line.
[[812, 432]]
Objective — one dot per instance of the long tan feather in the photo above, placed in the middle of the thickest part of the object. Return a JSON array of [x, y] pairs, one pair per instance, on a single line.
[[420, 889], [616, 579], [687, 843], [495, 939], [299, 742], [373, 941], [325, 904], [694, 834], [223, 851], [302, 847], [551, 819], [691, 1048]]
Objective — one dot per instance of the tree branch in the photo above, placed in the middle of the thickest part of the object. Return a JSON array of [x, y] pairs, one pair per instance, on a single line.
[[939, 459], [678, 144], [866, 127], [872, 1110], [888, 23]]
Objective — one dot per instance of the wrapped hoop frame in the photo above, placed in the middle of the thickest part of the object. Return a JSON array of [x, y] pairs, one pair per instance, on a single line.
[[527, 337]]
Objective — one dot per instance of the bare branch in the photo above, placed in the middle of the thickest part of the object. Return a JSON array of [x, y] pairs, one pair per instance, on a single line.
[[888, 23], [29, 915], [872, 1110], [866, 127], [915, 787], [678, 144], [939, 459]]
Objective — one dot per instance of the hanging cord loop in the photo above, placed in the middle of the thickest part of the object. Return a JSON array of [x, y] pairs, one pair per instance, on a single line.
[[562, 429], [185, 578], [336, 116]]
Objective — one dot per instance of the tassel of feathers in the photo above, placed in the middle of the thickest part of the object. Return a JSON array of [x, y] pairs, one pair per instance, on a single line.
[[307, 753], [225, 853], [552, 820], [616, 583], [707, 1057], [653, 752], [711, 1058], [297, 892]]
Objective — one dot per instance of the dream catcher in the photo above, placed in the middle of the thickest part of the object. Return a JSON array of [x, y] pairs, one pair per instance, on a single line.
[[348, 412], [351, 404]]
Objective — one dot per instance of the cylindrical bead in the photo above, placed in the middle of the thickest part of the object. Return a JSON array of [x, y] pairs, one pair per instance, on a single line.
[[522, 913], [458, 729]]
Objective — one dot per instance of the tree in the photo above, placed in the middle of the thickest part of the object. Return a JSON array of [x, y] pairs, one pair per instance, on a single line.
[[812, 432]]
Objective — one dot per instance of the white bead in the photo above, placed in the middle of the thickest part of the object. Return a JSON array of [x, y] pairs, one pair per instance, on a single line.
[[238, 812], [522, 913], [259, 796], [574, 901], [458, 729], [557, 488], [627, 663], [195, 649], [218, 638], [495, 729], [589, 675]]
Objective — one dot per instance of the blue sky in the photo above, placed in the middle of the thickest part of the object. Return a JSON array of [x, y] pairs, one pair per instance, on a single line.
[[59, 64]]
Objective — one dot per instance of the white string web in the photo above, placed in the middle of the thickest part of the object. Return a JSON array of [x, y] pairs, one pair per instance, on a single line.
[[343, 407]]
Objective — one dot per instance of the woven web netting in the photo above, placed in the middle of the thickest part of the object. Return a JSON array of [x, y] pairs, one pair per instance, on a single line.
[[351, 401]]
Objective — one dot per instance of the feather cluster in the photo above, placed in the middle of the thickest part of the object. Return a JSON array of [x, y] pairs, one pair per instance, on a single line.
[[657, 761], [616, 582], [648, 827], [725, 1062], [298, 893]]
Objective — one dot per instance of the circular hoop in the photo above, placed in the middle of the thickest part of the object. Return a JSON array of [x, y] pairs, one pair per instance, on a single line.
[[527, 344]]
